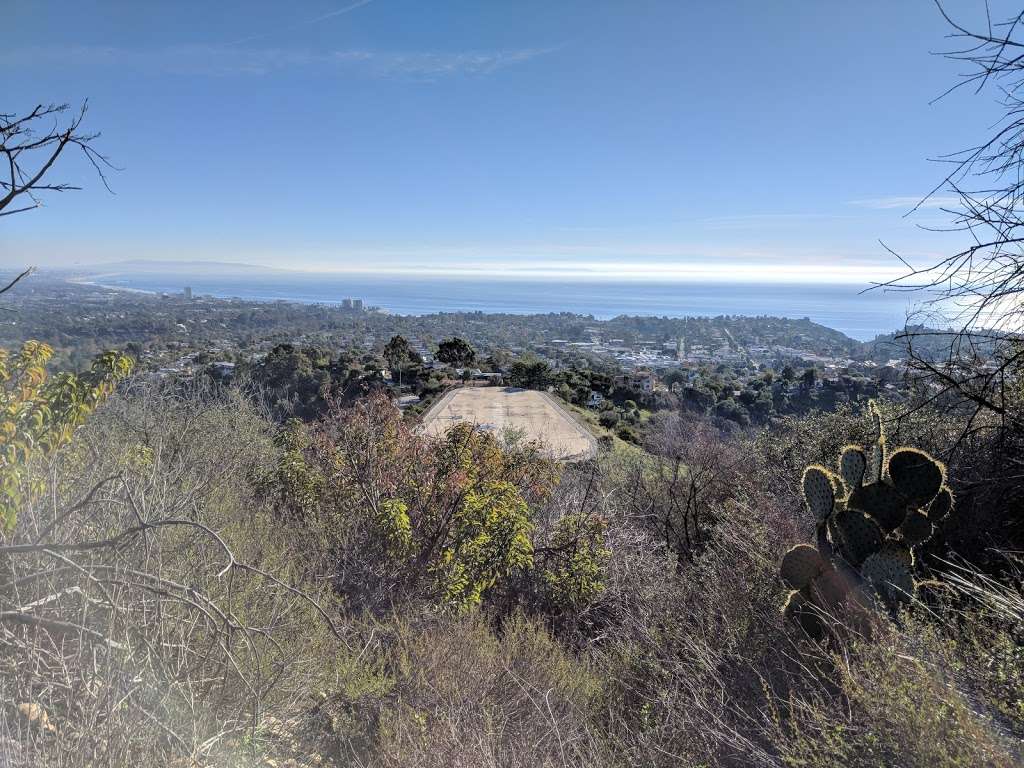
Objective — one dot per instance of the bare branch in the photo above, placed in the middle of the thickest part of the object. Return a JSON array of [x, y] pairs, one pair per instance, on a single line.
[[29, 154]]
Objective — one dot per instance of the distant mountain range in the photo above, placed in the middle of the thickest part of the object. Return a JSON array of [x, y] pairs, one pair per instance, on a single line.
[[147, 266]]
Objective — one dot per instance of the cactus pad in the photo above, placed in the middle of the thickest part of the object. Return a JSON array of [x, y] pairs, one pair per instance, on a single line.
[[890, 577], [916, 474], [819, 491], [899, 551], [916, 528], [852, 466], [883, 502], [941, 505], [858, 535], [830, 588], [801, 610], [800, 565]]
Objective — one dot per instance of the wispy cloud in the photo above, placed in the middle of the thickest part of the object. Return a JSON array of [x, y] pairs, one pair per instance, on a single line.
[[760, 221], [472, 63], [906, 202], [227, 60], [303, 23]]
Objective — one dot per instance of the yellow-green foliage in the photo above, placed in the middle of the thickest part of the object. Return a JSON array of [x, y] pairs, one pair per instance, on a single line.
[[448, 518], [395, 527], [39, 414], [297, 484], [575, 560], [488, 538]]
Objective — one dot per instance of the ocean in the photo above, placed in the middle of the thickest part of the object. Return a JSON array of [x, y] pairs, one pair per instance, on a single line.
[[842, 307]]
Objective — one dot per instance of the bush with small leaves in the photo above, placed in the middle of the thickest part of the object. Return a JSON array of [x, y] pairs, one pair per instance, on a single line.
[[574, 562], [39, 414]]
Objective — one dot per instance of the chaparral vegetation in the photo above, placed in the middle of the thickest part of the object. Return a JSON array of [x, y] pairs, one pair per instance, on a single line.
[[280, 566]]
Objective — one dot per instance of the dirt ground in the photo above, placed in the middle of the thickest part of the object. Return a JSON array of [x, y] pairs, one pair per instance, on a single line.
[[537, 414]]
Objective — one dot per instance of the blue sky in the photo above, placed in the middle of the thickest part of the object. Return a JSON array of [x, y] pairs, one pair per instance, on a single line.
[[668, 140]]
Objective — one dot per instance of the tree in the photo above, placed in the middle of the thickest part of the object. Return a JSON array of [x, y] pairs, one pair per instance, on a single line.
[[396, 352], [455, 352], [532, 374], [976, 292], [971, 358], [298, 380], [733, 411], [809, 377], [28, 153], [698, 398], [680, 492], [788, 374], [450, 518]]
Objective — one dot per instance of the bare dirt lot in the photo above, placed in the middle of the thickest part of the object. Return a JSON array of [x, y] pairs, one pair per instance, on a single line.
[[537, 414]]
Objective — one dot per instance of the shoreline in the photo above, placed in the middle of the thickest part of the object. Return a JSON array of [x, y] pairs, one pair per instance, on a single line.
[[94, 284], [407, 301]]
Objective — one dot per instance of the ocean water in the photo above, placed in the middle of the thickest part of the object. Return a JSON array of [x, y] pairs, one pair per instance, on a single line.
[[843, 307]]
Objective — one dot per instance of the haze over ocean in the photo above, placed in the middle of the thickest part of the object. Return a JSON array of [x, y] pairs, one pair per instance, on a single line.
[[842, 307]]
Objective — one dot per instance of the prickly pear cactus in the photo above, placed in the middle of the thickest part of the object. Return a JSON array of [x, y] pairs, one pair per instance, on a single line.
[[871, 515]]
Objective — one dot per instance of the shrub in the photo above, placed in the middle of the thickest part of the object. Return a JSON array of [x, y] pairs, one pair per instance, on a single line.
[[410, 516], [39, 415]]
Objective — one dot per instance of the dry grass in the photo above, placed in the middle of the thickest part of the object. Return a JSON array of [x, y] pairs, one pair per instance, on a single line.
[[675, 662]]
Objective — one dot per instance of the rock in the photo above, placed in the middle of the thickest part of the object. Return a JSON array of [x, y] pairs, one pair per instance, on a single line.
[[36, 717]]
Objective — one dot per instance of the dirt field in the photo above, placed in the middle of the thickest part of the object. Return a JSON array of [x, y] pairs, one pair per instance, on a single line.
[[536, 413]]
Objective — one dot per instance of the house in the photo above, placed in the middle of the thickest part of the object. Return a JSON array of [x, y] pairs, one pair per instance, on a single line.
[[595, 400], [642, 381], [222, 370]]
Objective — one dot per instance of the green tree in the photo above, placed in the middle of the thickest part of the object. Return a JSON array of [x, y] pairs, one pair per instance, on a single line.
[[456, 352], [530, 374], [733, 411], [699, 398], [396, 352]]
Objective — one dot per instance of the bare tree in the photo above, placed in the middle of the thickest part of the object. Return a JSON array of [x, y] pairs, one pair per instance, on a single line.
[[970, 362], [32, 143], [976, 293], [676, 492]]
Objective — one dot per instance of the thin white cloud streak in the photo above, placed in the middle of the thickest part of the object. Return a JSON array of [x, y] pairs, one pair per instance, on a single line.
[[222, 61], [906, 202], [761, 221], [526, 263], [300, 24], [733, 272]]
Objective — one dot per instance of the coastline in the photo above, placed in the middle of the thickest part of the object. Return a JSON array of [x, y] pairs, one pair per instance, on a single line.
[[837, 307], [94, 284]]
